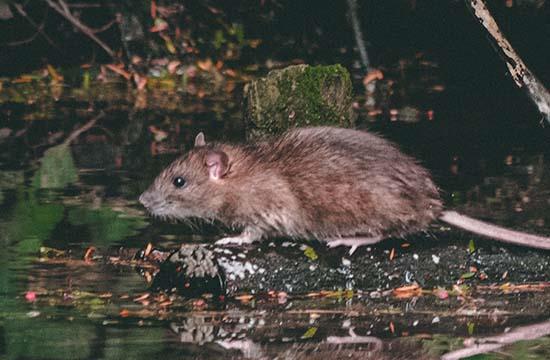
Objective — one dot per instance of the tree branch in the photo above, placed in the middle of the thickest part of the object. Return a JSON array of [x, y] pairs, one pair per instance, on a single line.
[[62, 8], [39, 28], [358, 34], [76, 133], [522, 76]]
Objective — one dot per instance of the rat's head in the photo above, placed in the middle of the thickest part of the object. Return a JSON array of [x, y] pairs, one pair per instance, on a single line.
[[192, 186]]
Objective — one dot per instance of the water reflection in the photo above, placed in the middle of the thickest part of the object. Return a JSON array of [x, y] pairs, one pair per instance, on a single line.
[[282, 299]]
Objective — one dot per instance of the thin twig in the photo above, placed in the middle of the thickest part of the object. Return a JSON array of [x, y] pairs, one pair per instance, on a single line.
[[522, 76], [61, 8], [358, 34], [39, 28], [484, 345], [104, 27], [75, 134], [27, 40]]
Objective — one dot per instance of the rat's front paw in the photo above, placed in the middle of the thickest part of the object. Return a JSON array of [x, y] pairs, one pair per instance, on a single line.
[[248, 236], [235, 240]]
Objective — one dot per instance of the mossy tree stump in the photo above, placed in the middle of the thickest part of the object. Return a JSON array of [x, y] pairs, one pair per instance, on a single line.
[[296, 96]]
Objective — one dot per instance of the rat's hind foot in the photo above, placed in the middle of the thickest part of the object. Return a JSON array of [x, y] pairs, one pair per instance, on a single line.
[[247, 237], [353, 242]]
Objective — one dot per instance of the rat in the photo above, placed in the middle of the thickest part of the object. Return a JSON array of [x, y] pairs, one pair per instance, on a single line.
[[340, 186]]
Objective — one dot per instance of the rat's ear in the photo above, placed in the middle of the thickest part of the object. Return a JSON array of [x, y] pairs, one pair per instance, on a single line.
[[199, 140], [217, 163]]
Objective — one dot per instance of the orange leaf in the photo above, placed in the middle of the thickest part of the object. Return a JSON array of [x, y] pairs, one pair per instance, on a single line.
[[54, 74], [441, 294], [392, 253], [214, 10], [22, 79], [230, 72], [158, 133], [244, 298], [173, 66], [142, 297], [141, 81], [407, 288], [169, 45], [119, 70], [148, 249], [372, 76], [407, 291], [158, 27], [199, 303], [89, 253], [205, 65]]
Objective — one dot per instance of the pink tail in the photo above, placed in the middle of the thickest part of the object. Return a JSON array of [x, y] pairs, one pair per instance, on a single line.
[[495, 232]]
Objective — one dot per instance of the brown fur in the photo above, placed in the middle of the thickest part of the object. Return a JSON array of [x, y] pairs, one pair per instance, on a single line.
[[321, 183]]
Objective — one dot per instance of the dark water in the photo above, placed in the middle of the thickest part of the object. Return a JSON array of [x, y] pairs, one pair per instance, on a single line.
[[71, 198], [486, 148]]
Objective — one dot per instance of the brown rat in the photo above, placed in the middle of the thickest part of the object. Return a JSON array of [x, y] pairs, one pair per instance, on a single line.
[[340, 186]]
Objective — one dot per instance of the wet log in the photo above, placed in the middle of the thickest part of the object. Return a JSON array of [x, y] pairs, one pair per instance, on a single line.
[[301, 268]]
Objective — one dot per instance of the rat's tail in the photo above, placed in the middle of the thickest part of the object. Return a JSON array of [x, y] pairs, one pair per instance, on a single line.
[[495, 232]]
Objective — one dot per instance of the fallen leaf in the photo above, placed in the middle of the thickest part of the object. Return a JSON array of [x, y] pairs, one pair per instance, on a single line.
[[199, 303], [254, 43], [173, 66], [119, 70], [309, 333], [30, 296], [169, 44], [230, 72], [159, 25], [310, 253], [205, 65], [214, 10], [142, 297], [471, 246], [148, 249], [407, 291], [153, 9], [441, 293], [158, 133], [372, 76], [467, 275], [140, 81], [89, 254], [54, 74], [244, 298]]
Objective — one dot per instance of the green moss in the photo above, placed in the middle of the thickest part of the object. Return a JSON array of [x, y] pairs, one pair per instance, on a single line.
[[301, 96]]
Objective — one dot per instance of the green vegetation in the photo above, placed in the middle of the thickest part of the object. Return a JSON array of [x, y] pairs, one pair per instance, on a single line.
[[300, 96]]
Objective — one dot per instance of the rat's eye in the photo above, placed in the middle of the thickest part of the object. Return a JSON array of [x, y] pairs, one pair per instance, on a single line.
[[178, 182]]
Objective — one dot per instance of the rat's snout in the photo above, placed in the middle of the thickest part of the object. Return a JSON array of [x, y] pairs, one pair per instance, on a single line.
[[146, 199]]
